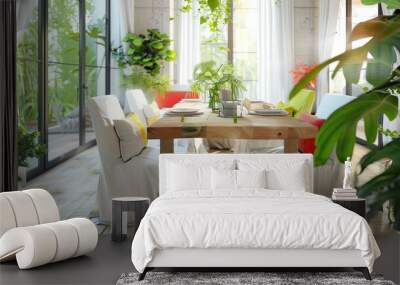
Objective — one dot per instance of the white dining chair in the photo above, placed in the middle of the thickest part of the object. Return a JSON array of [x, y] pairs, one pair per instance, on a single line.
[[135, 177]]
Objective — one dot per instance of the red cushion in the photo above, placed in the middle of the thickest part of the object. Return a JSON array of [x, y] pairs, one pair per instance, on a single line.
[[308, 145], [170, 98]]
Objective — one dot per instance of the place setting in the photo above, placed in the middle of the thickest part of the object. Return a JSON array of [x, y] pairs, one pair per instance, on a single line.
[[184, 112]]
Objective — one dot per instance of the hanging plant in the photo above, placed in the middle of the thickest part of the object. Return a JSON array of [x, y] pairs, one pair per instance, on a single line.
[[142, 60], [150, 51], [214, 13]]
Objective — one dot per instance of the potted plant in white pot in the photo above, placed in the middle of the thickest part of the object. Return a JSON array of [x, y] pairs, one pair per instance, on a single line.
[[28, 148]]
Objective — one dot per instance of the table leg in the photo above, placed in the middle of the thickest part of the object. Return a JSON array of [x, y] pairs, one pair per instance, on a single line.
[[166, 146], [291, 145]]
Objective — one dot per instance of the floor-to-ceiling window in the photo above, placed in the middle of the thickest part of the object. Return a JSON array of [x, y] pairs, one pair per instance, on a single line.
[[63, 77], [62, 61], [95, 56], [244, 47], [27, 68]]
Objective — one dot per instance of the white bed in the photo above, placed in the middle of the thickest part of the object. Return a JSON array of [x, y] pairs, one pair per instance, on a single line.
[[201, 219]]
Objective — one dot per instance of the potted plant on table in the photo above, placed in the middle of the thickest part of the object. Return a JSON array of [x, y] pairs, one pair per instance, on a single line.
[[28, 148], [222, 85], [143, 58], [380, 55]]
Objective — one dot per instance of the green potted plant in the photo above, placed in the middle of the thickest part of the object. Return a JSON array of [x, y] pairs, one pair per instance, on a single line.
[[380, 55], [143, 57], [219, 82], [28, 148]]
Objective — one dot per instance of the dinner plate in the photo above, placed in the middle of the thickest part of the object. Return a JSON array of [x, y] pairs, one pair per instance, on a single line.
[[184, 110], [270, 112], [184, 114]]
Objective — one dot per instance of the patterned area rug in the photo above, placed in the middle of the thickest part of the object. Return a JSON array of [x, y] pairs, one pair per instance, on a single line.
[[243, 278]]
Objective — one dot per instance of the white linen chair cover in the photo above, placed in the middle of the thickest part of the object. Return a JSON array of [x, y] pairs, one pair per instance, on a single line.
[[31, 233], [136, 177], [135, 101]]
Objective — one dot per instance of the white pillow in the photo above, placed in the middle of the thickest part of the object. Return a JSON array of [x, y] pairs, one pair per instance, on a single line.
[[251, 178], [293, 180], [223, 179], [282, 174], [184, 177], [130, 142]]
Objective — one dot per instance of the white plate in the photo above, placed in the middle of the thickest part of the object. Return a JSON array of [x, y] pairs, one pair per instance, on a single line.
[[184, 110], [270, 112], [184, 114]]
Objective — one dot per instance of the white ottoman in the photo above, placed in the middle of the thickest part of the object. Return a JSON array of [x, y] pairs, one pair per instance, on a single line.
[[31, 233]]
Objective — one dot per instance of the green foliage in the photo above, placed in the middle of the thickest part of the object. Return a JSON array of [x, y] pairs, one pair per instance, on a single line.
[[392, 4], [214, 13], [380, 55], [140, 78], [28, 146], [381, 48], [340, 128], [208, 77], [149, 51], [385, 186]]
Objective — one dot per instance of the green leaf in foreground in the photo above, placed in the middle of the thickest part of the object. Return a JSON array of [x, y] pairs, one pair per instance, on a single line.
[[340, 127], [385, 186]]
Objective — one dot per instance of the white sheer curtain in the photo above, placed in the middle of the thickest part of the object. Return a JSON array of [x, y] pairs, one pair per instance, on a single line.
[[275, 49], [127, 15], [328, 18], [122, 22], [187, 43]]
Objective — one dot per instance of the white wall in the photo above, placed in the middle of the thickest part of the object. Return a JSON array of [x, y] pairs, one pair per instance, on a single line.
[[306, 31], [152, 14]]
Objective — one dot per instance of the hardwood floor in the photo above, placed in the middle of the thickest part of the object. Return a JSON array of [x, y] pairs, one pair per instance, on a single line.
[[73, 184], [102, 266]]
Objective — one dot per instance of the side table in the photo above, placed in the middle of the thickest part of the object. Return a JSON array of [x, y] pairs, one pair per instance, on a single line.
[[357, 206], [120, 208]]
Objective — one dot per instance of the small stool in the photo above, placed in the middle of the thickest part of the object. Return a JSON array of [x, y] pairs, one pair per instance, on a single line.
[[120, 207]]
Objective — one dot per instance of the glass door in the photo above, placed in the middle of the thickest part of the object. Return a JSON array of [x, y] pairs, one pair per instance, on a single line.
[[63, 77], [95, 56], [61, 63]]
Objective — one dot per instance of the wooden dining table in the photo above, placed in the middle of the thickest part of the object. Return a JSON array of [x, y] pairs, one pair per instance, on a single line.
[[210, 125]]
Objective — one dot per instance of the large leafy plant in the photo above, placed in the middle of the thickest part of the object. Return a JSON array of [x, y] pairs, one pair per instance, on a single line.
[[150, 51], [379, 55], [142, 60]]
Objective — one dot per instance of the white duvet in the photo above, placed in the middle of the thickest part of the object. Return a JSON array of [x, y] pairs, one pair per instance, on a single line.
[[250, 219]]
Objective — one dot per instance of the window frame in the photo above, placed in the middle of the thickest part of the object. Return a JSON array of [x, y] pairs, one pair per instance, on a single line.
[[44, 163]]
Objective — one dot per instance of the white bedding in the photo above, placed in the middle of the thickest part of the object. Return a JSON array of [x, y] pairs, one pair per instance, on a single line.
[[250, 219]]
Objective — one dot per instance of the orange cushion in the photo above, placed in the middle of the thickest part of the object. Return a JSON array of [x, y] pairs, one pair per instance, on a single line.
[[308, 145], [170, 98]]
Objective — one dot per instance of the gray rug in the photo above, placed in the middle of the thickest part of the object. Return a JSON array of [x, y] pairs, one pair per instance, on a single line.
[[269, 278]]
